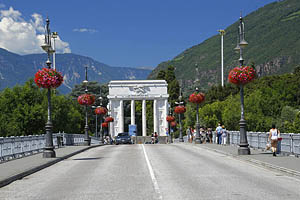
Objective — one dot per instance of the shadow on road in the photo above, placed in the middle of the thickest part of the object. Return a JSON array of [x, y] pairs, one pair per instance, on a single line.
[[97, 158]]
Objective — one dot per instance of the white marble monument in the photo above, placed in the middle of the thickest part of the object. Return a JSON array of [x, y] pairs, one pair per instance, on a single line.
[[141, 90]]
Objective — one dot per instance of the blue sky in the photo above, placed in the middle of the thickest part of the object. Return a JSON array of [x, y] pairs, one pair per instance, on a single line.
[[126, 33]]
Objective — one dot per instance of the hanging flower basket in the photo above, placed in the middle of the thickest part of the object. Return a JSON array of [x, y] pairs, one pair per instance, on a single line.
[[48, 78], [86, 99], [100, 111], [109, 119], [170, 118], [197, 98], [179, 109], [173, 124], [104, 125], [242, 75]]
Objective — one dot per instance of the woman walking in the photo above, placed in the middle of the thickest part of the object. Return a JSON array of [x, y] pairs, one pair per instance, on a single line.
[[224, 135], [273, 137]]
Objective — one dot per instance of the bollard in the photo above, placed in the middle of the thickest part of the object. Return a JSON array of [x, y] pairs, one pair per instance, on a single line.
[[58, 140], [279, 146]]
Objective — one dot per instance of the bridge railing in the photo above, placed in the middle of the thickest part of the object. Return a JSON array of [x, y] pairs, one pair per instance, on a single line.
[[290, 142], [20, 146]]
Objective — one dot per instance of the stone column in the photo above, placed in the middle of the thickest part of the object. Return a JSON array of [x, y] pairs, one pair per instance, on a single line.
[[165, 114], [155, 117], [144, 123], [132, 112], [121, 124], [111, 126]]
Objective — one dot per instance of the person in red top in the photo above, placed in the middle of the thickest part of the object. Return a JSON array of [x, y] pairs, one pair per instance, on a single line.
[[156, 137]]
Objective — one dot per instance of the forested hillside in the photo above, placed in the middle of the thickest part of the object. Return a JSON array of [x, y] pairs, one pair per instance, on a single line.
[[274, 47]]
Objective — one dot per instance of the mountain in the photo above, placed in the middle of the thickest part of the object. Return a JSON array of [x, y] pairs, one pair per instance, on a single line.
[[16, 69], [274, 47]]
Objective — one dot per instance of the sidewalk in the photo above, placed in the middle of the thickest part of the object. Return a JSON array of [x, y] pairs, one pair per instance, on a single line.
[[286, 164], [16, 169]]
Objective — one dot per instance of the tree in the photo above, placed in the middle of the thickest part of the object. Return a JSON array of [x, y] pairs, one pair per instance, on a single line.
[[161, 75]]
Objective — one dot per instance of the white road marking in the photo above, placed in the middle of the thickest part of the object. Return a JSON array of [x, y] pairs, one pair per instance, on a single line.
[[154, 181]]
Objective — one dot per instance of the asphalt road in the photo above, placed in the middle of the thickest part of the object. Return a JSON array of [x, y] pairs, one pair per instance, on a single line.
[[136, 172]]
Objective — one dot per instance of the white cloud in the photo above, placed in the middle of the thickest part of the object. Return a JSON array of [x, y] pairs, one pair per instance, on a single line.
[[82, 30], [25, 37]]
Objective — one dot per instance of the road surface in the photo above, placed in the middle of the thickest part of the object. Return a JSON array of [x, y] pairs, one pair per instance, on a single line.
[[137, 172]]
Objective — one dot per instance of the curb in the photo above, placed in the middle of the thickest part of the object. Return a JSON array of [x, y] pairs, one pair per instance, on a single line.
[[257, 162], [43, 166]]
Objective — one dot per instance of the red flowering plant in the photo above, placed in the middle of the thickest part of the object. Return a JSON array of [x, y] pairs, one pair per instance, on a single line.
[[197, 98], [48, 78], [104, 125], [86, 99], [109, 119], [173, 124], [179, 109], [242, 75], [100, 111], [170, 118]]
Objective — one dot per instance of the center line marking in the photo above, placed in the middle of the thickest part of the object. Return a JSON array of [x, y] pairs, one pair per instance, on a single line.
[[154, 181]]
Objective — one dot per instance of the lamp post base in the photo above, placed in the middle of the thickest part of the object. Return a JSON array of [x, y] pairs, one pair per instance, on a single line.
[[87, 142], [49, 153], [243, 151], [243, 146]]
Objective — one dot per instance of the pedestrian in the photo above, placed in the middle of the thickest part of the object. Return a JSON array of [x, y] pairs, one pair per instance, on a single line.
[[273, 137], [152, 138], [188, 134], [224, 135], [194, 133], [155, 137], [219, 134], [209, 135], [202, 135]]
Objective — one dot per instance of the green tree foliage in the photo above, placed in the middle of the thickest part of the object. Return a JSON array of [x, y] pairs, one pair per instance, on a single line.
[[271, 99], [93, 88], [173, 84], [23, 111]]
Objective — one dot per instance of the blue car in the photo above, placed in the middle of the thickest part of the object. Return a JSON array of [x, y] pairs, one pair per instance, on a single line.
[[123, 138]]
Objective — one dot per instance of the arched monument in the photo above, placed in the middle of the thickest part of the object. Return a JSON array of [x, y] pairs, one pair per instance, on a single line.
[[142, 90]]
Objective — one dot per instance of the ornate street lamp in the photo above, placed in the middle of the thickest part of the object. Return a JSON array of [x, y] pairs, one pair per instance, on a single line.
[[197, 98], [101, 111], [240, 76], [96, 116], [170, 119], [54, 36], [54, 79], [86, 99], [222, 33], [87, 139], [179, 109]]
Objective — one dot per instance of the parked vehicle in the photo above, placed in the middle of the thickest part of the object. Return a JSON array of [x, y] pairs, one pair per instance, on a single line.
[[123, 138]]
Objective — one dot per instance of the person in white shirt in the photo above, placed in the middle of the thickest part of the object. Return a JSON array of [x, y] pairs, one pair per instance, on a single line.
[[273, 137], [224, 135], [219, 134]]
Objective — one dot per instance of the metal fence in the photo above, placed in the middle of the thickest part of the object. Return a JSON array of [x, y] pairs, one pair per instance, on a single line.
[[290, 142], [16, 147]]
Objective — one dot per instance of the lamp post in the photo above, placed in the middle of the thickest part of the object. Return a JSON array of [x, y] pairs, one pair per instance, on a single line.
[[87, 139], [243, 146], [180, 104], [54, 36], [170, 119], [222, 33], [197, 139], [49, 148], [96, 131]]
